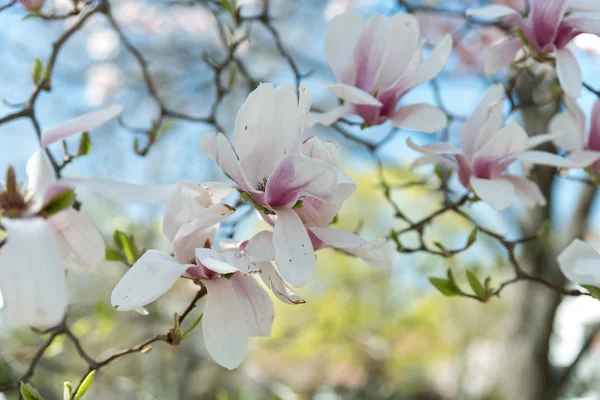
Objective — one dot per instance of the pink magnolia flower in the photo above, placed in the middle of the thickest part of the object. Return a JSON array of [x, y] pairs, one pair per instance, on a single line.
[[580, 263], [38, 247], [377, 62], [32, 5], [547, 30], [487, 150], [583, 145], [293, 185]]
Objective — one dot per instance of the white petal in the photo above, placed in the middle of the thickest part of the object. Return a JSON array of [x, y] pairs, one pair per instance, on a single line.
[[584, 21], [542, 138], [433, 149], [329, 117], [544, 158], [498, 193], [569, 72], [491, 12], [434, 64], [123, 192], [149, 278], [304, 103], [255, 303], [224, 324], [217, 147], [32, 276], [275, 282], [507, 141], [80, 242], [260, 247], [343, 33], [353, 95], [527, 191], [214, 261], [491, 125], [584, 158], [294, 253], [569, 258], [399, 52], [571, 138], [584, 5], [40, 176], [80, 124], [499, 56], [189, 200], [438, 160], [420, 117]]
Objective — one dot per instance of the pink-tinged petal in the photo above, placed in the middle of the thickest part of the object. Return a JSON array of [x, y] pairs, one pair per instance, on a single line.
[[260, 247], [544, 158], [584, 158], [370, 53], [297, 176], [80, 242], [569, 72], [507, 141], [80, 124], [190, 199], [543, 138], [343, 33], [353, 95], [123, 192], [588, 22], [499, 56], [275, 282], [354, 245], [224, 324], [40, 177], [545, 18], [435, 160], [570, 257], [571, 137], [304, 103], [527, 191], [475, 123], [432, 149], [255, 303], [217, 147], [399, 52], [498, 193], [329, 117], [32, 277], [294, 253], [491, 126], [584, 5], [214, 261], [491, 12], [434, 64], [149, 278], [314, 147], [594, 137], [420, 117]]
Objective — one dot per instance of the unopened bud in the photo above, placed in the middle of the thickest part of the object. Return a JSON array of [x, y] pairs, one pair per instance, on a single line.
[[32, 5]]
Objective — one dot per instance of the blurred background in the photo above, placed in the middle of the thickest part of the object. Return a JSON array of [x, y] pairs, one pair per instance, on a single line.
[[364, 333]]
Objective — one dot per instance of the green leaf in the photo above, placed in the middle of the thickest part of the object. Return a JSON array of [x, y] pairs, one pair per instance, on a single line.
[[472, 237], [298, 204], [113, 255], [126, 244], [37, 71], [85, 385], [85, 144], [28, 392], [445, 286], [191, 328], [164, 128], [594, 291], [227, 6], [67, 391], [59, 202], [476, 285]]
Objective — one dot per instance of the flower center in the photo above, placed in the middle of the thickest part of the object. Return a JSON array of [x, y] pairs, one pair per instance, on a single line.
[[12, 196]]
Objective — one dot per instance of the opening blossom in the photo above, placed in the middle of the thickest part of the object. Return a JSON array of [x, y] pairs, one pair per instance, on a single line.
[[547, 31], [377, 62], [40, 244], [487, 150], [292, 186], [583, 144]]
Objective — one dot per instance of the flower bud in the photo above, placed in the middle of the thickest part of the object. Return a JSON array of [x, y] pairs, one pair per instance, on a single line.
[[32, 5]]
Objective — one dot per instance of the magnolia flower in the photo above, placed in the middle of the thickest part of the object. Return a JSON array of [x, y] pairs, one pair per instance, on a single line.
[[293, 185], [41, 242], [580, 263], [547, 31], [32, 5], [377, 62], [487, 150], [583, 145]]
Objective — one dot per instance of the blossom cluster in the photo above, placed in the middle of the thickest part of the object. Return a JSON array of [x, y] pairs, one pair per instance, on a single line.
[[297, 185]]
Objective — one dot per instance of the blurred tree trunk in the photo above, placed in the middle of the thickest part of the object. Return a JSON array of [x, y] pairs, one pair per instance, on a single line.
[[527, 373]]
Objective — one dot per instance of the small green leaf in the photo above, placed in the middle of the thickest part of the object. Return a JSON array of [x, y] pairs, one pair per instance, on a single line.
[[227, 6], [85, 385], [38, 68], [59, 202], [85, 144], [298, 204], [476, 285], [191, 328], [67, 390], [29, 393], [113, 255], [164, 128], [594, 291], [127, 245], [472, 237], [445, 286]]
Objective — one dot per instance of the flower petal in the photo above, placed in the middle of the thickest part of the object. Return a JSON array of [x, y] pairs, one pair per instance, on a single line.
[[499, 56], [214, 261], [544, 158], [507, 141], [329, 117], [189, 200], [40, 177], [370, 53], [124, 192], [81, 124], [491, 12], [569, 72], [32, 277], [498, 193], [584, 158], [353, 95], [527, 191], [260, 247], [149, 278], [434, 64], [80, 242], [275, 282], [569, 259], [255, 303], [432, 149], [420, 117], [399, 52], [224, 324], [343, 33], [572, 137], [294, 253], [217, 147]]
